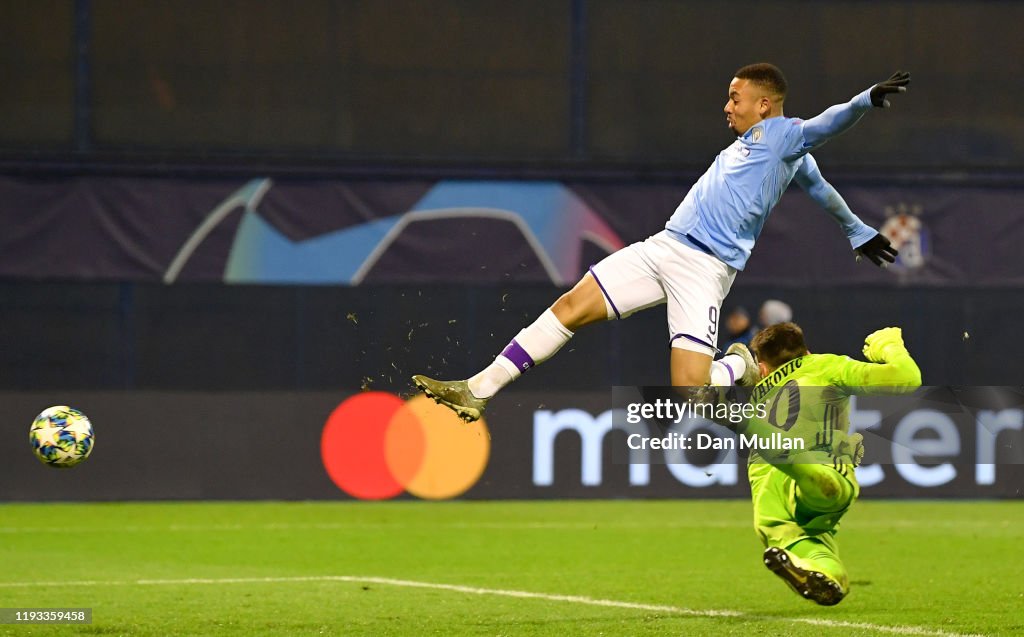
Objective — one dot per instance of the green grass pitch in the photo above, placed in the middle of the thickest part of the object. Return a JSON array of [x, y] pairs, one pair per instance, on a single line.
[[500, 568]]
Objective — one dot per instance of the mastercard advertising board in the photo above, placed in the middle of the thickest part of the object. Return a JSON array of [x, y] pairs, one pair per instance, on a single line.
[[376, 446]]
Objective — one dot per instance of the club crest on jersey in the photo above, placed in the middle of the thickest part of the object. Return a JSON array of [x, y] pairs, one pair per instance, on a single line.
[[756, 134]]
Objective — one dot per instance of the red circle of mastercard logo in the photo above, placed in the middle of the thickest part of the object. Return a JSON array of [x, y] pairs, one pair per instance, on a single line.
[[375, 446]]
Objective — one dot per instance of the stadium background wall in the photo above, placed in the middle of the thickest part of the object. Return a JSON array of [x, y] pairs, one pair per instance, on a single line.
[[549, 80], [130, 336], [124, 124]]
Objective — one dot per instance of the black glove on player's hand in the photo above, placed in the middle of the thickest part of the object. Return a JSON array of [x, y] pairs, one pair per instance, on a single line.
[[895, 84], [877, 248]]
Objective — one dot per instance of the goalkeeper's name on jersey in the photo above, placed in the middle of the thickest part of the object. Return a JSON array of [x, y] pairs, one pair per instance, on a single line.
[[674, 441]]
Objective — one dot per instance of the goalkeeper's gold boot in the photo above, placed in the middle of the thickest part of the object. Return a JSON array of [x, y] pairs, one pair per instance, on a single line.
[[453, 394], [752, 375], [805, 582]]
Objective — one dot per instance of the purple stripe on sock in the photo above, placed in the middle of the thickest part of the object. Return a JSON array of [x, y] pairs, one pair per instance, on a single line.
[[515, 353], [693, 339], [605, 292], [732, 376]]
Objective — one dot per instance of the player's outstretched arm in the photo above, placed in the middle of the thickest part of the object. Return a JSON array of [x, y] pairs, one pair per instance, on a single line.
[[808, 176], [891, 366], [865, 240], [837, 119]]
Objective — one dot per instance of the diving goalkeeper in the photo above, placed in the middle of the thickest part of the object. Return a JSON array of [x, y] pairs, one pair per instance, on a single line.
[[800, 497]]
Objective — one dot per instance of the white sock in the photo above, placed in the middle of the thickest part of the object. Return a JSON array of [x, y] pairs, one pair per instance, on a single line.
[[532, 345], [490, 380], [727, 370]]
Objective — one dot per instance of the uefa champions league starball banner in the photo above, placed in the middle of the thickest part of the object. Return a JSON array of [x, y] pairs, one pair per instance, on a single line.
[[357, 232], [374, 445]]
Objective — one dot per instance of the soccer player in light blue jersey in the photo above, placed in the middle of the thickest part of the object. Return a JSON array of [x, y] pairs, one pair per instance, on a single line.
[[691, 264]]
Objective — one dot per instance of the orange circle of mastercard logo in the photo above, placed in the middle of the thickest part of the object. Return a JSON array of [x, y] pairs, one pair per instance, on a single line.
[[375, 446]]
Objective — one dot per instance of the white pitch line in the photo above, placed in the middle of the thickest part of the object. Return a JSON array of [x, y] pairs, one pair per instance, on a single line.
[[341, 526], [943, 526], [472, 590]]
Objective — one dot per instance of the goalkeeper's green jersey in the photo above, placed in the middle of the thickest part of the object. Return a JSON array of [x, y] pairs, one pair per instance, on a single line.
[[809, 397]]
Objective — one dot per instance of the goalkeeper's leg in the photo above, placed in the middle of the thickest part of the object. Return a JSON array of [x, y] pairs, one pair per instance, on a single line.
[[811, 565], [799, 528], [822, 477], [821, 488], [818, 556], [811, 569]]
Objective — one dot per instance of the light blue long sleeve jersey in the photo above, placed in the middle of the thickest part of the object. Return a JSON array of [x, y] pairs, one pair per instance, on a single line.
[[727, 207]]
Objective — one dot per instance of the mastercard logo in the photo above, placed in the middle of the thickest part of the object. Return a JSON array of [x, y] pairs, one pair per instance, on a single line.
[[376, 446]]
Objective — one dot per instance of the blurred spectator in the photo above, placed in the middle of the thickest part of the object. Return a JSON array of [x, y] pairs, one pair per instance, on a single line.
[[774, 311], [738, 327]]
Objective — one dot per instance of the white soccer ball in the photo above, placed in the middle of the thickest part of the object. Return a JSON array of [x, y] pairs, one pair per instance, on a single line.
[[61, 437]]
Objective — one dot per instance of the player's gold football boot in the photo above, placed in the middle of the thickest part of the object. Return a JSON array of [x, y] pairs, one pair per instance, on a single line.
[[752, 375], [809, 584], [453, 394]]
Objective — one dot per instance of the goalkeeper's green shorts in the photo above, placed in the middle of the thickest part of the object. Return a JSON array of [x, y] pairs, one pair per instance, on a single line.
[[780, 521]]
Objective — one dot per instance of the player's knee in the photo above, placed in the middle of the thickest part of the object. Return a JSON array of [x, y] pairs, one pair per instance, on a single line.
[[566, 310], [574, 312], [824, 490]]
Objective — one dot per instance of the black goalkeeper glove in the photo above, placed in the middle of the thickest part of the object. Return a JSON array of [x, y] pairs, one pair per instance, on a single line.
[[877, 248], [895, 84]]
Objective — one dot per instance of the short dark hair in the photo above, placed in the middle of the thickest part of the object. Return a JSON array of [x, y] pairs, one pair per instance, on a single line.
[[778, 344], [766, 75]]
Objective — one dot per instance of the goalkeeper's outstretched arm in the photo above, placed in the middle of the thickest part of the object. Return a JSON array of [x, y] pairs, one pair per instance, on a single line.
[[891, 365]]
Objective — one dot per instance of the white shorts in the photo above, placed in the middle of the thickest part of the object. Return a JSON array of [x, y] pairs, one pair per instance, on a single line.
[[664, 270]]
